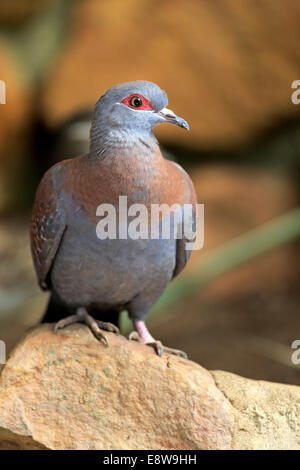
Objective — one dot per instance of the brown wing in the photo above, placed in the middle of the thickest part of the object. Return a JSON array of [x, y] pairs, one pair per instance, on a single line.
[[182, 254], [47, 225]]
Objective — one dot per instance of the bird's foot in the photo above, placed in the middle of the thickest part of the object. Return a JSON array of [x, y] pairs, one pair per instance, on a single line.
[[66, 322], [94, 325], [158, 347], [108, 326]]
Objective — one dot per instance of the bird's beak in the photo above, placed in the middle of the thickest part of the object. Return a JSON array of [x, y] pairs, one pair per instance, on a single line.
[[171, 117]]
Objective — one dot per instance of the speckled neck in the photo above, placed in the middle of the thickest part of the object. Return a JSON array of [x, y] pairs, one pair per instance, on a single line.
[[108, 142]]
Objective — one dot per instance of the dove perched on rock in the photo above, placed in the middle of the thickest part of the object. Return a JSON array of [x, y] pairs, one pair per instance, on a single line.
[[89, 273]]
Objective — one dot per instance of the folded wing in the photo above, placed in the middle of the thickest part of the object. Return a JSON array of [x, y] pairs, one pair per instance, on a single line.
[[47, 226]]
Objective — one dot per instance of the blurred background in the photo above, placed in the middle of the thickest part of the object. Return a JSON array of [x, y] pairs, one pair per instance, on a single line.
[[228, 68]]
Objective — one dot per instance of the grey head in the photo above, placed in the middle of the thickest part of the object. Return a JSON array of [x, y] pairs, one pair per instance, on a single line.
[[131, 109]]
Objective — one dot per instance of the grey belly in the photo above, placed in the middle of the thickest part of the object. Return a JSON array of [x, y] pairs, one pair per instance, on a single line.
[[87, 270]]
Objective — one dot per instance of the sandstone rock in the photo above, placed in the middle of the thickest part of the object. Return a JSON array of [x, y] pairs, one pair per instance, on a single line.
[[268, 414], [68, 391]]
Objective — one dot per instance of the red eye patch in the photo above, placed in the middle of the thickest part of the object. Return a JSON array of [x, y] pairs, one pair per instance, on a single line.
[[138, 102]]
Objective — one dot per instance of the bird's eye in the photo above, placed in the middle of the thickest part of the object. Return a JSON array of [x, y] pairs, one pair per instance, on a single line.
[[136, 102]]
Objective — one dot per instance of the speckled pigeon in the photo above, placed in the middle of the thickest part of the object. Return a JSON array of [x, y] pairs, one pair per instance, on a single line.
[[87, 274]]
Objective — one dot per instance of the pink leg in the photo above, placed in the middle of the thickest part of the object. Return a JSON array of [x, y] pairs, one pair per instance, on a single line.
[[143, 332], [143, 335]]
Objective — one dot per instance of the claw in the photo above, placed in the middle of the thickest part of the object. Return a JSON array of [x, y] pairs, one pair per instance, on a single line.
[[101, 337], [133, 336], [94, 325], [158, 347], [176, 352], [108, 327]]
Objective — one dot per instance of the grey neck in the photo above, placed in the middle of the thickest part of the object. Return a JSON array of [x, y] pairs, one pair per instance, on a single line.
[[105, 141]]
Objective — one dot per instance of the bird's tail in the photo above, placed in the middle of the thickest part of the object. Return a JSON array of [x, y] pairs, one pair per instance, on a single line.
[[56, 311]]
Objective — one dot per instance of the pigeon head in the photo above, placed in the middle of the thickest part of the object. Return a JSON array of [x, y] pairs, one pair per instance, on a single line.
[[132, 109]]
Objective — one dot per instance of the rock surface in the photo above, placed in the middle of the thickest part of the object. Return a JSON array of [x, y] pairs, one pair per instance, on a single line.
[[268, 414], [68, 391]]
